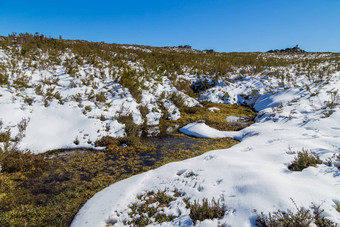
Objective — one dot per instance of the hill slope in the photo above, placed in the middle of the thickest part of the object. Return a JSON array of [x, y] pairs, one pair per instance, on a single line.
[[69, 94]]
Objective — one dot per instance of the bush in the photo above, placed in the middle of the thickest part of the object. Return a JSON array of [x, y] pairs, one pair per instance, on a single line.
[[5, 136], [206, 210], [337, 206], [100, 97], [129, 140], [131, 130], [303, 160], [142, 213], [184, 86], [144, 110], [28, 100], [102, 117], [177, 100], [14, 160], [105, 141], [302, 218], [88, 108], [130, 80], [3, 79]]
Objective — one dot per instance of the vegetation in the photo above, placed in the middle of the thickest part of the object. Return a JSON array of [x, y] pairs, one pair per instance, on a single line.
[[13, 160], [337, 206], [206, 210], [155, 62], [149, 209], [301, 218], [303, 160], [141, 214], [132, 136]]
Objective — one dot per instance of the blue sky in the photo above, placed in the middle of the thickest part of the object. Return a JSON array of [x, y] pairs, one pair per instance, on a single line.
[[223, 25]]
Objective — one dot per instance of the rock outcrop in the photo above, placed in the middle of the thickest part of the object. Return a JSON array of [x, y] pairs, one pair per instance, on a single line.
[[295, 49]]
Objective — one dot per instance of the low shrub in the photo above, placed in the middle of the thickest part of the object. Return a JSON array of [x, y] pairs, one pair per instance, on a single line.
[[102, 117], [129, 140], [206, 210], [88, 108], [105, 141], [14, 160], [3, 79], [302, 218], [100, 97], [337, 206], [142, 213], [184, 86], [131, 130], [28, 100], [5, 136], [303, 160], [177, 99]]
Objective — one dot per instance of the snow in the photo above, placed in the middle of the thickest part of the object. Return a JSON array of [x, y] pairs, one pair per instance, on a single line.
[[58, 125], [232, 118], [201, 130], [213, 109], [250, 175]]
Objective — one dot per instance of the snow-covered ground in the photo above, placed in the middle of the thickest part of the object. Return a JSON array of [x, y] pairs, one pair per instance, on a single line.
[[252, 174]]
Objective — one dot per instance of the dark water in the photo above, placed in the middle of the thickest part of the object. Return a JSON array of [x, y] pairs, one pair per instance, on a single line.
[[172, 145]]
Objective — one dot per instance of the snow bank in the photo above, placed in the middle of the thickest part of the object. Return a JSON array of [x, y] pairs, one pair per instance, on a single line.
[[201, 130]]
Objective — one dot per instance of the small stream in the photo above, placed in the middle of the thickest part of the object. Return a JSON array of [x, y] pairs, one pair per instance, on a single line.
[[171, 145]]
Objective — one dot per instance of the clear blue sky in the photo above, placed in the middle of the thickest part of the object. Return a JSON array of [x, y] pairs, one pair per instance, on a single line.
[[223, 25]]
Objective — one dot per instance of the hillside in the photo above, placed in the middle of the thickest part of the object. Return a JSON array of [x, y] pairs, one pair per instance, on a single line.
[[61, 94]]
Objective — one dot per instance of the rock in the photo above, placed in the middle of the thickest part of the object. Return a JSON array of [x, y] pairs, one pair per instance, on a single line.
[[209, 51], [295, 49], [185, 47]]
